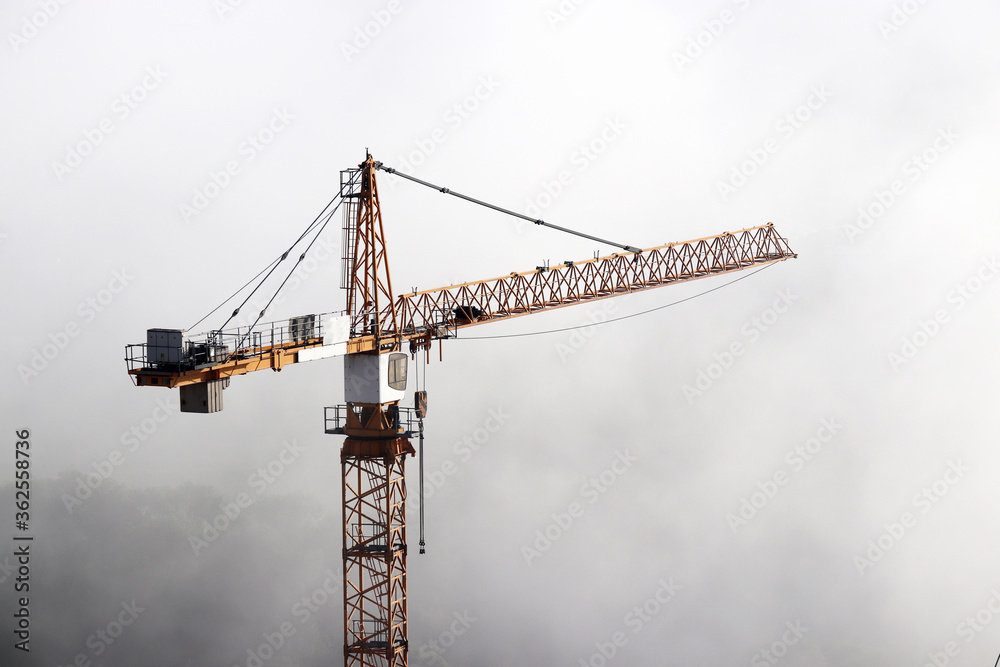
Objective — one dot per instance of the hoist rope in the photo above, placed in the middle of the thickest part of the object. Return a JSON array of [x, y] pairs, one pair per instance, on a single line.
[[423, 544], [230, 298], [274, 264], [263, 310]]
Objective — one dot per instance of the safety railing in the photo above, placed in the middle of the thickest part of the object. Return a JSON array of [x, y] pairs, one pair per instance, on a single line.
[[370, 633], [405, 420], [218, 346]]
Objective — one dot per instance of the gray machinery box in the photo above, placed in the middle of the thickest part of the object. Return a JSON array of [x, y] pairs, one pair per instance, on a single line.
[[302, 328], [166, 346], [204, 397]]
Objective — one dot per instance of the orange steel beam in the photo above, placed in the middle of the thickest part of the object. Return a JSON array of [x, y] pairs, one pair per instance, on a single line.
[[578, 282], [247, 360], [421, 317]]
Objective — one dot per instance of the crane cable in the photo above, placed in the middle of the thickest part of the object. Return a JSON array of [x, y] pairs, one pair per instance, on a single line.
[[390, 170], [423, 544], [263, 310], [274, 264], [624, 317], [230, 298], [420, 421]]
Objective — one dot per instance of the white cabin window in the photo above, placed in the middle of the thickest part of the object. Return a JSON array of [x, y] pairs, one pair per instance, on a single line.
[[397, 371]]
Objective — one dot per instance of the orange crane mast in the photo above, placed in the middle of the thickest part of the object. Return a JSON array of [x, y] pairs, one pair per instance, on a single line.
[[377, 334]]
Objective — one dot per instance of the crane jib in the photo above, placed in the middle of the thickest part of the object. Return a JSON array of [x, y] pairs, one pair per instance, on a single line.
[[424, 316]]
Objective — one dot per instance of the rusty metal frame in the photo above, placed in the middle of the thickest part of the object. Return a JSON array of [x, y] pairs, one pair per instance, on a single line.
[[577, 282], [370, 296], [374, 543]]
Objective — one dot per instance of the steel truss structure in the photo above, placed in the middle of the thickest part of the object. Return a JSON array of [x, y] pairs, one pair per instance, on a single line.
[[576, 282], [366, 276], [374, 536]]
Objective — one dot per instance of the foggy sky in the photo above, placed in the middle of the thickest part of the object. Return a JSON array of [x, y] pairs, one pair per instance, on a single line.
[[801, 462]]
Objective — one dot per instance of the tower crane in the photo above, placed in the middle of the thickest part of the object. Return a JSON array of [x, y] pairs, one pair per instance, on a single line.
[[378, 333]]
